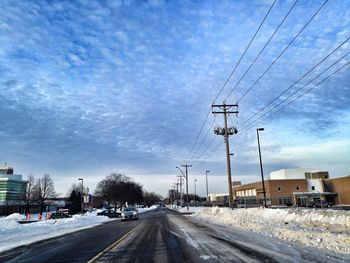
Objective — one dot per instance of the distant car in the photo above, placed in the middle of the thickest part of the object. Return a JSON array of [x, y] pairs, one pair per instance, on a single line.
[[320, 203], [110, 213], [59, 215], [129, 213]]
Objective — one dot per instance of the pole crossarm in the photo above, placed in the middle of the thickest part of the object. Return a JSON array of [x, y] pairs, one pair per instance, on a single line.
[[225, 108]]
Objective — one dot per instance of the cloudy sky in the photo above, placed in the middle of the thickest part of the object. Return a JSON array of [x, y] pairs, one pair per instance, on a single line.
[[93, 87]]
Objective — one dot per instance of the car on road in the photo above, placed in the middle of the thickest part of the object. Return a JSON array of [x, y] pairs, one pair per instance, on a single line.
[[129, 213], [109, 213]]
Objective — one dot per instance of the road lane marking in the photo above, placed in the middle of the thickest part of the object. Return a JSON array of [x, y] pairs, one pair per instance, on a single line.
[[114, 244]]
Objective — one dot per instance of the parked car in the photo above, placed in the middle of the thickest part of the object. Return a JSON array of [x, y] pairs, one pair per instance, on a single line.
[[110, 213], [320, 203], [59, 215], [129, 213]]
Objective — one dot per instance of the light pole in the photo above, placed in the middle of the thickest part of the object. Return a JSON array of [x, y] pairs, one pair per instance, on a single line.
[[82, 193], [206, 182], [261, 167], [195, 192]]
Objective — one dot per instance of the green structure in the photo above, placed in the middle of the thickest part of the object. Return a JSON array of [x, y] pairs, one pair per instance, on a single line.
[[12, 187]]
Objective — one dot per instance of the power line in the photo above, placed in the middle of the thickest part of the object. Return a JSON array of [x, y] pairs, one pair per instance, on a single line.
[[200, 131], [205, 136], [245, 51], [284, 50], [210, 153], [231, 74], [262, 50], [205, 150], [297, 81], [329, 67]]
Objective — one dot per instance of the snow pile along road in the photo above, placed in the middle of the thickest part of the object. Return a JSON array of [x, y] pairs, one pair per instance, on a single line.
[[329, 229], [13, 234]]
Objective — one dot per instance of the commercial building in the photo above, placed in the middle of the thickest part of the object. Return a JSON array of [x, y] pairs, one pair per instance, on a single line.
[[300, 187], [341, 186], [12, 189], [219, 199]]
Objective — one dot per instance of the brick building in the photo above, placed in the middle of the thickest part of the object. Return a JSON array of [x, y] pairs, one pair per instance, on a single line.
[[294, 187]]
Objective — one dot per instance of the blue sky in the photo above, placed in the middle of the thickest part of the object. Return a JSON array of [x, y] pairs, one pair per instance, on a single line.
[[93, 87]]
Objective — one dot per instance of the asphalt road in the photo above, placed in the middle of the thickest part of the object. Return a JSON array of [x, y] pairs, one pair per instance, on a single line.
[[164, 236]]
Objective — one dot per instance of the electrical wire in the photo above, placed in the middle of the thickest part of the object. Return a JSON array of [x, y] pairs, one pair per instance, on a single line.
[[205, 136], [283, 51], [262, 50], [297, 81], [231, 74], [295, 92], [245, 51]]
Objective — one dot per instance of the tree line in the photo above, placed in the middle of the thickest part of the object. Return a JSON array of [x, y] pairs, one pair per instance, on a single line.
[[118, 190]]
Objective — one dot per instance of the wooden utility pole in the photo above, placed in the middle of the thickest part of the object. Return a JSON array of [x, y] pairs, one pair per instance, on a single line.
[[226, 132], [186, 173]]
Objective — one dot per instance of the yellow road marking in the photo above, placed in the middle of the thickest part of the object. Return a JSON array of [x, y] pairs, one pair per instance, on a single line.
[[114, 244]]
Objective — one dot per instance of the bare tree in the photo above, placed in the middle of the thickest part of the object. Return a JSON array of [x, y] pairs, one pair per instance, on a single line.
[[29, 193], [77, 188], [44, 189], [151, 198], [118, 189]]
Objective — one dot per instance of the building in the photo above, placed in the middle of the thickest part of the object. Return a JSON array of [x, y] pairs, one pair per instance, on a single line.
[[219, 199], [300, 187], [12, 189], [341, 186]]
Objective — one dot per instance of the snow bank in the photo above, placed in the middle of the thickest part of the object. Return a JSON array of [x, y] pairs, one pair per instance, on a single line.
[[329, 229], [145, 209], [13, 234]]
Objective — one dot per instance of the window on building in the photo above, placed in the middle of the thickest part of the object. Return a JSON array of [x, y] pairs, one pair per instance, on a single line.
[[285, 201], [312, 187], [279, 189], [297, 188]]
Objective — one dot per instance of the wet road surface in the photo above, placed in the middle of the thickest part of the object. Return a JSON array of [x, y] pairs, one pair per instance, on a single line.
[[165, 236]]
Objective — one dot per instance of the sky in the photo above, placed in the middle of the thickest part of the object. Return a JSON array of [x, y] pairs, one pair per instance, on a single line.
[[88, 88]]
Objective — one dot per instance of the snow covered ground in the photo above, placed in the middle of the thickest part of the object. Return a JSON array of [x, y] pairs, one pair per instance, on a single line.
[[13, 234], [328, 229]]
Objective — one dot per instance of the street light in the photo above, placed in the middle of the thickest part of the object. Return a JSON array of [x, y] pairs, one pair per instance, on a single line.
[[195, 192], [82, 193], [261, 167], [206, 180]]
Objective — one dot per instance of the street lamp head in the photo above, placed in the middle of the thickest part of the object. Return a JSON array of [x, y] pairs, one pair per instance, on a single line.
[[207, 171], [260, 129], [80, 179]]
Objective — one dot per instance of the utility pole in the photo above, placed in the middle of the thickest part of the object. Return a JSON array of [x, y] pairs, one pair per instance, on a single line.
[[206, 180], [186, 175], [261, 166], [82, 194], [226, 132], [195, 192], [181, 180]]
